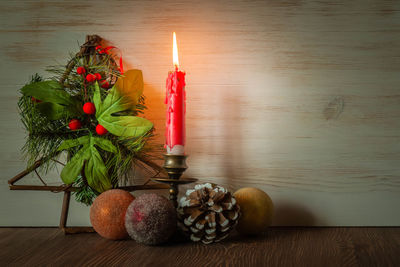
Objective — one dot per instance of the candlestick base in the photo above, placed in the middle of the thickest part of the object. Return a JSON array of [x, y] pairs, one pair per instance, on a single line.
[[175, 165]]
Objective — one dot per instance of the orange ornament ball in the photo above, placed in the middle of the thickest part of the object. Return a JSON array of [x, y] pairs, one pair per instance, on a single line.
[[256, 209], [107, 213]]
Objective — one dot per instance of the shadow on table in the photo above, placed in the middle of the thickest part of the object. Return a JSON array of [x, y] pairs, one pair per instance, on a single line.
[[292, 214], [289, 219]]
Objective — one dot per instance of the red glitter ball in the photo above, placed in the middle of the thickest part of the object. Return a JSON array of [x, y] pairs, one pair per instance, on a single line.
[[150, 219]]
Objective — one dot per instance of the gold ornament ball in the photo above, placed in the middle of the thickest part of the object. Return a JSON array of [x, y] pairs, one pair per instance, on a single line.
[[256, 209], [107, 213]]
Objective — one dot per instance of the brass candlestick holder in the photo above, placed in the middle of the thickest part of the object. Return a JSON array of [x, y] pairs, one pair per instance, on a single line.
[[175, 165]]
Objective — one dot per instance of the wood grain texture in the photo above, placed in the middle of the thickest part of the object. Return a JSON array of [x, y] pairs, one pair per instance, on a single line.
[[298, 98], [279, 247]]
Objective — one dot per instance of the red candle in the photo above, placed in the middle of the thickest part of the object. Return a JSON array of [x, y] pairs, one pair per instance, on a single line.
[[176, 107]]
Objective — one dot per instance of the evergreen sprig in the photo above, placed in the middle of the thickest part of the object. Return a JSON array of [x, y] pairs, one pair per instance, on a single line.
[[94, 163], [44, 135]]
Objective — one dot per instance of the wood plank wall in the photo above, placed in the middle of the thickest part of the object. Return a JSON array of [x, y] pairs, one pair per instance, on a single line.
[[298, 98]]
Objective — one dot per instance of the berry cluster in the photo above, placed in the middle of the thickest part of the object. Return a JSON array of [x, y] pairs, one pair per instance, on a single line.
[[92, 77], [89, 108]]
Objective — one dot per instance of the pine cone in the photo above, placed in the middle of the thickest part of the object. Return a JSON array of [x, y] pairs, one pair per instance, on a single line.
[[208, 213]]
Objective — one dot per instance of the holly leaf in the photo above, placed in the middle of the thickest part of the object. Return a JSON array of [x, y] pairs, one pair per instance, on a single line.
[[96, 171], [74, 142], [55, 111], [130, 85], [48, 91], [104, 144], [74, 166], [89, 158], [106, 114], [56, 103]]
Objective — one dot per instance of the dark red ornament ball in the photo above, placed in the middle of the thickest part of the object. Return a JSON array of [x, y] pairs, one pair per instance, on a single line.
[[107, 213], [100, 130], [74, 124], [150, 219], [90, 78], [80, 70], [89, 108], [98, 76]]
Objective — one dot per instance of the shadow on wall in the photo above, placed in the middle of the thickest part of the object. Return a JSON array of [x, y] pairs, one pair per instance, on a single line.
[[286, 213], [232, 146], [292, 214], [154, 101], [155, 112]]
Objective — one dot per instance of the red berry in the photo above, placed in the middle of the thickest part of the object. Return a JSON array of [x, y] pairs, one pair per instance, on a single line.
[[35, 100], [74, 124], [90, 78], [80, 70], [89, 108], [100, 130], [105, 84], [98, 76]]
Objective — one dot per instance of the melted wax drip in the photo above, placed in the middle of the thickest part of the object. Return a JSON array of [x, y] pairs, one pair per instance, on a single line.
[[175, 99]]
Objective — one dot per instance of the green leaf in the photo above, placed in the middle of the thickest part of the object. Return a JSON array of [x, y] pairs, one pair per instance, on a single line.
[[55, 111], [96, 172], [74, 166], [130, 85], [89, 157], [48, 91], [56, 102], [97, 97], [74, 142], [124, 126], [105, 144]]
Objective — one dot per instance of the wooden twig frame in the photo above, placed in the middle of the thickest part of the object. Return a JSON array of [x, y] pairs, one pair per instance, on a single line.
[[67, 189], [86, 50]]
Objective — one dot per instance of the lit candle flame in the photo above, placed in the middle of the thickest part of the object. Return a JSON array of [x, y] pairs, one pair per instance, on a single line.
[[175, 53]]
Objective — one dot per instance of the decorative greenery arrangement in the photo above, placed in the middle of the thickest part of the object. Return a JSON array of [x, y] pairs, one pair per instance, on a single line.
[[90, 109]]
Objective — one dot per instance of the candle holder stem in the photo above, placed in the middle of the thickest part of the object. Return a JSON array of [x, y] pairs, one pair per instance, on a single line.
[[175, 165]]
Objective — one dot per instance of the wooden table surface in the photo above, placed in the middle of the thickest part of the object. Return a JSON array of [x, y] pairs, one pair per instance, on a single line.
[[278, 247]]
